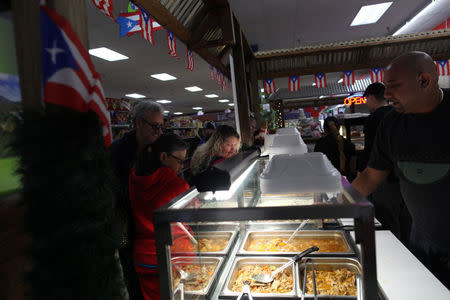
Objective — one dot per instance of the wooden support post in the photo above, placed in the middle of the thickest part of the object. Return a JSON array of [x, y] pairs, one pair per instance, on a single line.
[[241, 86], [254, 94]]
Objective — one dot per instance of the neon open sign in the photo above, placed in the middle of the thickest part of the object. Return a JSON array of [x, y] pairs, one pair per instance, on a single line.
[[355, 100]]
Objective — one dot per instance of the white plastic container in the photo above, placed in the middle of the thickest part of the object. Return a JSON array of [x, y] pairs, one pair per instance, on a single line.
[[300, 173], [288, 130], [287, 144]]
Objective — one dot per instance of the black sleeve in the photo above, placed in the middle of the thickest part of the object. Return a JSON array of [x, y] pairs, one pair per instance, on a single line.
[[369, 136], [319, 146], [380, 157]]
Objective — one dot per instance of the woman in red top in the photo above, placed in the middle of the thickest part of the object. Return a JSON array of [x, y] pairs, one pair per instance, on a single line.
[[153, 183]]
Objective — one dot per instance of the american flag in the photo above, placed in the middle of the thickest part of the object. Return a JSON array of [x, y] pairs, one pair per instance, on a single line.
[[348, 78], [211, 71], [68, 75], [376, 75], [294, 83], [190, 59], [269, 86], [171, 43], [106, 6], [321, 80], [130, 23], [443, 67]]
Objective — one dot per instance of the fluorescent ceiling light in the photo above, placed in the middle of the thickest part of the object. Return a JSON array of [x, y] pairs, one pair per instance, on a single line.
[[163, 76], [224, 100], [135, 95], [163, 101], [230, 104], [107, 54], [314, 84], [166, 111], [177, 113], [197, 108], [262, 90], [370, 14], [416, 18], [193, 89], [340, 80], [211, 96]]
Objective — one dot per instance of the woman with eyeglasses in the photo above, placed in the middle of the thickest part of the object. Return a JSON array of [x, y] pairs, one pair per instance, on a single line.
[[154, 181]]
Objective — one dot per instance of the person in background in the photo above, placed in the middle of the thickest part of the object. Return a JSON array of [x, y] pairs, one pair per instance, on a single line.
[[207, 131], [340, 151], [390, 209], [413, 141], [148, 124], [223, 144], [316, 134], [154, 181]]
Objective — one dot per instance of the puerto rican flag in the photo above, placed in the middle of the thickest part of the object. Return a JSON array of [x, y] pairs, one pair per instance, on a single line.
[[224, 84], [321, 80], [211, 71], [294, 83], [376, 75], [171, 43], [443, 67], [69, 78], [147, 26], [106, 6], [130, 23], [269, 86], [190, 59], [348, 78], [218, 76]]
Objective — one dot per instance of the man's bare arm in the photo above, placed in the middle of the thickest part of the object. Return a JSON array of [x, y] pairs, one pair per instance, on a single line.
[[369, 180]]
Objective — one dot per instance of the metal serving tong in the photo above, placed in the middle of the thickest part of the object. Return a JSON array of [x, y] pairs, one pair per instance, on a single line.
[[267, 278], [246, 291], [313, 275]]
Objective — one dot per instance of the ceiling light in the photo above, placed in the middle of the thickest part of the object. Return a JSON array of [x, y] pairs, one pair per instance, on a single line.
[[262, 90], [163, 101], [314, 84], [211, 96], [166, 111], [197, 108], [224, 100], [415, 18], [135, 95], [230, 104], [177, 113], [200, 113], [370, 14], [340, 80], [193, 89], [163, 76], [107, 54]]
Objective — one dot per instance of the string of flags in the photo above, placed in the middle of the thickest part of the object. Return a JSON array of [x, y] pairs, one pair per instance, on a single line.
[[443, 67]]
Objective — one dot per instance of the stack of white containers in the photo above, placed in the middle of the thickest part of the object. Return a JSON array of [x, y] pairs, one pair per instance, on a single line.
[[292, 170]]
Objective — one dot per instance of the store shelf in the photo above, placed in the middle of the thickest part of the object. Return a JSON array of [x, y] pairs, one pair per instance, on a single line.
[[120, 126]]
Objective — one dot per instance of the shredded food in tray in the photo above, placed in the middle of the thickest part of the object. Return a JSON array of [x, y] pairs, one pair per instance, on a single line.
[[282, 282], [327, 244], [203, 274], [204, 245], [340, 282]]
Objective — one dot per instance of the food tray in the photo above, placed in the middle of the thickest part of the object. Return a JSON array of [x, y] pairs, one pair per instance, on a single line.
[[227, 293], [211, 235], [284, 234], [201, 261], [329, 264]]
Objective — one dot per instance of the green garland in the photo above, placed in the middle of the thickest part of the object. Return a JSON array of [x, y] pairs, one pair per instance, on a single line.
[[67, 188]]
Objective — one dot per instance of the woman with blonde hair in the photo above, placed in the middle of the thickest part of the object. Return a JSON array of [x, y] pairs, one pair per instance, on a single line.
[[224, 143]]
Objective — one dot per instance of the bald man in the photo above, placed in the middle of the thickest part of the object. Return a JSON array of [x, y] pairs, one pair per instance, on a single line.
[[414, 142]]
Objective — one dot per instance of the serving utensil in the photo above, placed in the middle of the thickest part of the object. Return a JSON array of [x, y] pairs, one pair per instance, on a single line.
[[302, 224], [313, 275], [246, 291], [193, 240], [268, 278]]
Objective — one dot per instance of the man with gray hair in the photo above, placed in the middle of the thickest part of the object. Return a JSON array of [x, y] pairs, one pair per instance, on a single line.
[[148, 126], [413, 141]]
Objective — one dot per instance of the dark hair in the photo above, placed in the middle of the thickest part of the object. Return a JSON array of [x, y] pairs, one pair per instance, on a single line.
[[326, 127], [376, 89], [148, 159], [209, 125]]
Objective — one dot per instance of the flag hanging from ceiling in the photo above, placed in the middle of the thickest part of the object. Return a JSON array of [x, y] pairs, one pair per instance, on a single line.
[[224, 84], [218, 76], [269, 86], [348, 78], [171, 43], [106, 6], [443, 67], [321, 80], [376, 75], [294, 83], [190, 59], [130, 23], [211, 71], [68, 74], [147, 26], [132, 7]]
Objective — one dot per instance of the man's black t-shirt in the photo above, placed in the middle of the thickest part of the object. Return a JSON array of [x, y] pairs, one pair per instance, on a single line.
[[370, 130], [417, 148]]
